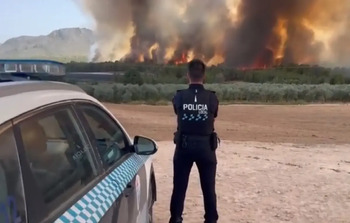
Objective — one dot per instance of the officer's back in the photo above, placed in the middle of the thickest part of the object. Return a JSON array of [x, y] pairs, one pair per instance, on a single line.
[[196, 108], [196, 142]]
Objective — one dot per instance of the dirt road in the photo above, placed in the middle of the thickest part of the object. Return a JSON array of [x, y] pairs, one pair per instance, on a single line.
[[312, 124], [276, 163]]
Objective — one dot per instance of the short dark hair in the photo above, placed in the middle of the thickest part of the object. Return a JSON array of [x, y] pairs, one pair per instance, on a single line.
[[196, 69]]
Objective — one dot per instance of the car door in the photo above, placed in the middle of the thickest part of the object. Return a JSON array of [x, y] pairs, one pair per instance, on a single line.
[[58, 165], [116, 152], [12, 205]]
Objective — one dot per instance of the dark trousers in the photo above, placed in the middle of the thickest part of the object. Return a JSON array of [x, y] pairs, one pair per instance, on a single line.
[[199, 152]]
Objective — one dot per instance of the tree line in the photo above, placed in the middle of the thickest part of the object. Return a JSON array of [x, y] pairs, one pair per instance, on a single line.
[[144, 73], [227, 93]]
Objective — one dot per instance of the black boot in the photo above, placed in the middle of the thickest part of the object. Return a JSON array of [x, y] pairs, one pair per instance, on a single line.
[[175, 220]]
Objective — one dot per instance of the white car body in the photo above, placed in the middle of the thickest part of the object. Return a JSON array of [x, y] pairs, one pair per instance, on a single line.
[[19, 98]]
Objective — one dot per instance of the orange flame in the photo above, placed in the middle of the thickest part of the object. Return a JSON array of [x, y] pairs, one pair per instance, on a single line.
[[181, 60]]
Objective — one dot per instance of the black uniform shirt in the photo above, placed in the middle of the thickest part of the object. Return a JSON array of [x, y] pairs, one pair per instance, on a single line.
[[196, 109]]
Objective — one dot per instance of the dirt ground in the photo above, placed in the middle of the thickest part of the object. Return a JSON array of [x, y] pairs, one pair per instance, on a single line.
[[275, 164], [310, 124]]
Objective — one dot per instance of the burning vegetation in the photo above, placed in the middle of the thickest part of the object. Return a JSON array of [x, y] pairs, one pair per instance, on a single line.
[[236, 33]]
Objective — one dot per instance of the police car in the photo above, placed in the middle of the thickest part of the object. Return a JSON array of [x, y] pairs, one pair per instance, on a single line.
[[65, 158]]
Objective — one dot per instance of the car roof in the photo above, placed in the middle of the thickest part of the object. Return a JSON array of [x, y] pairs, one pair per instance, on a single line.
[[24, 61], [17, 98]]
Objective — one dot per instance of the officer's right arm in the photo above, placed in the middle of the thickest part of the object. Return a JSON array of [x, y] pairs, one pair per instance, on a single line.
[[216, 107], [215, 104], [174, 103]]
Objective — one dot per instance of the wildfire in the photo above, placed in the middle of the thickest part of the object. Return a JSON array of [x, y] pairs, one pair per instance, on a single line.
[[247, 34], [281, 30], [181, 60], [217, 59]]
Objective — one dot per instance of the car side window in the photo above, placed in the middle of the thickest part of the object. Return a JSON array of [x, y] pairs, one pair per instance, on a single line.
[[11, 187], [108, 137], [60, 159]]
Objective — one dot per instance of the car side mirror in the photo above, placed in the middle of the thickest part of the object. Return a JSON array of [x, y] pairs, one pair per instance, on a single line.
[[145, 146]]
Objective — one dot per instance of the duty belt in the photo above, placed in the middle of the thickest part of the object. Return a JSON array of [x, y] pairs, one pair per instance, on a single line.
[[196, 137], [183, 139]]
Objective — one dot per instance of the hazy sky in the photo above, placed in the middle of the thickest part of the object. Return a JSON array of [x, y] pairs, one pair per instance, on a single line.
[[39, 17]]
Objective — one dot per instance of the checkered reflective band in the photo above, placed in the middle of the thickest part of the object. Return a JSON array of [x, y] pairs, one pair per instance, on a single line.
[[93, 206]]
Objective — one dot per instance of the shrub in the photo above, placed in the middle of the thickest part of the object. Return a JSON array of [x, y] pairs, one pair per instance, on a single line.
[[132, 76], [249, 92], [103, 93]]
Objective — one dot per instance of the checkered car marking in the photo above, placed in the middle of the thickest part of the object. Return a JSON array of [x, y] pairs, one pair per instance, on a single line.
[[93, 206]]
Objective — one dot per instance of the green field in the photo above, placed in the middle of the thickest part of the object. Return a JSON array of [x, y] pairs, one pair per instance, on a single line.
[[156, 83]]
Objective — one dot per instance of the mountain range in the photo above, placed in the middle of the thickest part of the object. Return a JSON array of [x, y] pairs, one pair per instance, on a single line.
[[69, 44]]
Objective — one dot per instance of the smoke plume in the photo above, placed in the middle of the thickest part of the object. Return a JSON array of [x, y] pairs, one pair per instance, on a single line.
[[239, 33]]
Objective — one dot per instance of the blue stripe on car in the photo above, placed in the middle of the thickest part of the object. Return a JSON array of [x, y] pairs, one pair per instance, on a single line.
[[93, 206]]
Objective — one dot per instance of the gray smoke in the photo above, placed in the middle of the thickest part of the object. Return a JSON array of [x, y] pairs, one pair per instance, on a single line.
[[341, 45], [160, 31], [254, 39]]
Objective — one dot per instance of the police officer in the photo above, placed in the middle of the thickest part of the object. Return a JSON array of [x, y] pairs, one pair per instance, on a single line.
[[196, 142]]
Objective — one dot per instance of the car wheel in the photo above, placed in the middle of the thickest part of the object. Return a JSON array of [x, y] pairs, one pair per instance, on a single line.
[[150, 205]]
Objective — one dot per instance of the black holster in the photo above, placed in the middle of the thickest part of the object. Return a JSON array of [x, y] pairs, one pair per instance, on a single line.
[[177, 138], [180, 140], [214, 141]]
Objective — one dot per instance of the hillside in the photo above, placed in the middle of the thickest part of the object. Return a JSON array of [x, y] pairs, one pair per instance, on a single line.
[[63, 45]]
